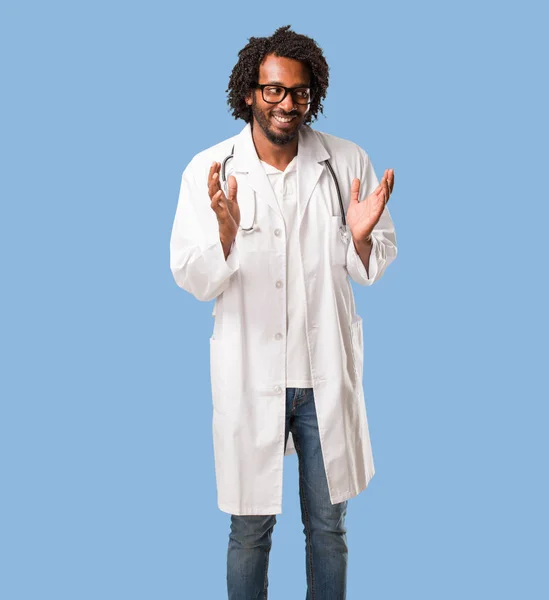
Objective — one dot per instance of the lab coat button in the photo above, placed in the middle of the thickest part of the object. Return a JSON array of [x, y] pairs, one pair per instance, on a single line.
[[277, 232], [278, 336], [277, 389], [279, 284]]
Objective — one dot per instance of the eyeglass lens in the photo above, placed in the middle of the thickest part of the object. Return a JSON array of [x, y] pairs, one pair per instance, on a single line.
[[276, 93]]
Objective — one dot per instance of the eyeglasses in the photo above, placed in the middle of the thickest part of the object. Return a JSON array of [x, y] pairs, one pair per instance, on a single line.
[[273, 94]]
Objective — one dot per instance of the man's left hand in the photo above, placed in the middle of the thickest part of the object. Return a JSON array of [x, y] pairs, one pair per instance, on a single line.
[[363, 216]]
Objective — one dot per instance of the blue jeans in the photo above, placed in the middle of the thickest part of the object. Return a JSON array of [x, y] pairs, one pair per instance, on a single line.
[[324, 523]]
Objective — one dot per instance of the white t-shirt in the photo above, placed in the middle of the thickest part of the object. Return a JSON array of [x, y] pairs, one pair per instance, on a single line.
[[298, 369]]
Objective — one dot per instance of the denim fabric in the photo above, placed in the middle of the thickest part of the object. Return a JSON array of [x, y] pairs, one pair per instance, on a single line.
[[326, 550]]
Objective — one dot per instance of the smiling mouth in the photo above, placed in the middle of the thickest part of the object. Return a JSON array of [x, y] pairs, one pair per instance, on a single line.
[[282, 119]]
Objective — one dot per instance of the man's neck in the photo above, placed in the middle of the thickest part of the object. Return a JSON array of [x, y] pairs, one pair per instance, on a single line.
[[276, 156]]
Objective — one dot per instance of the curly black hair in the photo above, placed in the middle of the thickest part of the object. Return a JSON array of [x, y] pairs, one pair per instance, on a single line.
[[284, 43]]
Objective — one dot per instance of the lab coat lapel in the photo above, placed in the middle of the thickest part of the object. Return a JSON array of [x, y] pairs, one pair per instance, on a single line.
[[247, 161], [310, 154]]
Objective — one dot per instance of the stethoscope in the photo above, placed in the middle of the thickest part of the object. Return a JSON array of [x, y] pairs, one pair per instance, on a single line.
[[342, 229]]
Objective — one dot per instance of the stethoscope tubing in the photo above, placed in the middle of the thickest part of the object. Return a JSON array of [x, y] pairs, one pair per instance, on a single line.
[[330, 170]]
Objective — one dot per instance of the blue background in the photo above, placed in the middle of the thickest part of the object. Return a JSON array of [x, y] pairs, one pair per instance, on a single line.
[[107, 474]]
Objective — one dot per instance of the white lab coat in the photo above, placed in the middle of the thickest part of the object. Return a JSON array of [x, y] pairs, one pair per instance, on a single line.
[[247, 358]]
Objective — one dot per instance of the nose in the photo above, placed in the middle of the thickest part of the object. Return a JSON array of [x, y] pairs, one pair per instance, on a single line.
[[287, 104]]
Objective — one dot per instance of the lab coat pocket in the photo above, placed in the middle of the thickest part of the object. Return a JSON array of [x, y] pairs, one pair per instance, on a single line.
[[358, 348], [338, 245], [218, 370]]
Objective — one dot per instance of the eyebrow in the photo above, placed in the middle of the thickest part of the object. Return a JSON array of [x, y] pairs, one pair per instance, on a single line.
[[281, 84]]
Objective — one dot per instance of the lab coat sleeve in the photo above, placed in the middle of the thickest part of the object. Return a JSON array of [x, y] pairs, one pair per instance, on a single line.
[[197, 260], [384, 246]]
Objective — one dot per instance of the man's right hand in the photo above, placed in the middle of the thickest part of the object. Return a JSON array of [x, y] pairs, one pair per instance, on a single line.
[[226, 209]]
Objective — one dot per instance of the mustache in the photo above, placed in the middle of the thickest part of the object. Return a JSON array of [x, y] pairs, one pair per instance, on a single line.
[[293, 113]]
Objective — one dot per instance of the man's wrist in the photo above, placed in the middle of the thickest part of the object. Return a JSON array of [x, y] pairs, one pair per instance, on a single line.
[[226, 247], [364, 249], [363, 244]]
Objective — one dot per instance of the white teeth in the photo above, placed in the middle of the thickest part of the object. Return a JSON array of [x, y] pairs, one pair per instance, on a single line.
[[283, 119]]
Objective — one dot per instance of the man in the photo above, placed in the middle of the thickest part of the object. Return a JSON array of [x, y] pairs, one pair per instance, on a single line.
[[271, 243]]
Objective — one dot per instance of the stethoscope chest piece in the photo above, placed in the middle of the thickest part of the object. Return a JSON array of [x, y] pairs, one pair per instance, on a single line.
[[345, 233]]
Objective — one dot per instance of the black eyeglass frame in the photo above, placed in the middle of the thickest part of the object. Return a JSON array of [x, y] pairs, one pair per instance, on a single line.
[[291, 90]]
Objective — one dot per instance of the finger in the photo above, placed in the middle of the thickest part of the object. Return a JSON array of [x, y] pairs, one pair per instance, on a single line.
[[219, 205], [389, 180], [383, 181], [379, 191], [381, 194], [213, 169], [392, 180], [355, 190], [210, 174], [385, 184], [215, 184], [232, 188]]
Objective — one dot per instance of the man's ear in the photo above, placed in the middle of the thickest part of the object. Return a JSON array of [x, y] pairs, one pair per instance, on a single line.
[[248, 99]]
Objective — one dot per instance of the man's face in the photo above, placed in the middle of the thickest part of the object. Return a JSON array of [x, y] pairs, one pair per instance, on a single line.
[[276, 70]]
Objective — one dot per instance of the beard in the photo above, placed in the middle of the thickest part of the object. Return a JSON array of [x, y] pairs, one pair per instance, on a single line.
[[278, 138]]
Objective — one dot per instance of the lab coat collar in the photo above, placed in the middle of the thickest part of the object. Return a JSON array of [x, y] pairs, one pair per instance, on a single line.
[[246, 160], [310, 154]]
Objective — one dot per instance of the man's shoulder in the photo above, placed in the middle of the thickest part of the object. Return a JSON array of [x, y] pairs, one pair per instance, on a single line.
[[335, 144]]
